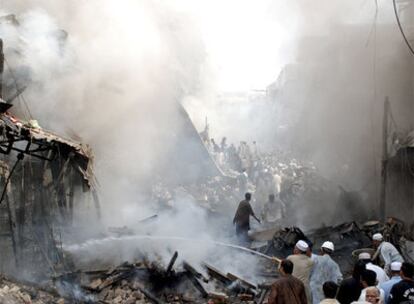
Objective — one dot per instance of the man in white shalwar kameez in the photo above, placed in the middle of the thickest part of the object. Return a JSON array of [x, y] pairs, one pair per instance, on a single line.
[[325, 269]]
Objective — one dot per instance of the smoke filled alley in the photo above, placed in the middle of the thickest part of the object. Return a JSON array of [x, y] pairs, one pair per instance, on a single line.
[[214, 152]]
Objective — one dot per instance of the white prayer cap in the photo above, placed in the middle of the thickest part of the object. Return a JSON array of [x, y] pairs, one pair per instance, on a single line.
[[396, 266], [328, 245], [302, 246], [364, 256], [377, 237]]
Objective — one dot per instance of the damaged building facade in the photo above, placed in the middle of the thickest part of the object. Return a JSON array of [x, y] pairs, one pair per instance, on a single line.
[[44, 177]]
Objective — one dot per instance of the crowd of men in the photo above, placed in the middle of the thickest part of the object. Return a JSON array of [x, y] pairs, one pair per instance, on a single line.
[[263, 172], [307, 277]]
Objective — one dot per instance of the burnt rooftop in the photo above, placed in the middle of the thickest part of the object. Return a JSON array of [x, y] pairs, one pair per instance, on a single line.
[[28, 138]]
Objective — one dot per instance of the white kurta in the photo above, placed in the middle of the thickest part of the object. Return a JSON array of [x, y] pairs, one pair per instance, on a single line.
[[324, 269]]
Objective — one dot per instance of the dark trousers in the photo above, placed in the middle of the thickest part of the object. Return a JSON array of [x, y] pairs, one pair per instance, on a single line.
[[242, 235]]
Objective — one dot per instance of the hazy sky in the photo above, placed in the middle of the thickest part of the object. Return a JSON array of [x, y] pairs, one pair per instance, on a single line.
[[248, 42]]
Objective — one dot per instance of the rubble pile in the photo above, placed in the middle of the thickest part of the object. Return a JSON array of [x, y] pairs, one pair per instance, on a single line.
[[124, 292], [17, 293], [150, 282]]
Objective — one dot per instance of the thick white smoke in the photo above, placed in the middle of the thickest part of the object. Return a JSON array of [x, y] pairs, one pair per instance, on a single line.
[[116, 81], [117, 78]]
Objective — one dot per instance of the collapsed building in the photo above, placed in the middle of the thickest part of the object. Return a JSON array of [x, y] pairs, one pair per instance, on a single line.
[[44, 178]]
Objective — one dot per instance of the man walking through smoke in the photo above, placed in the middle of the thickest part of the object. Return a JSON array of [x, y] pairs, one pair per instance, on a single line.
[[242, 219]]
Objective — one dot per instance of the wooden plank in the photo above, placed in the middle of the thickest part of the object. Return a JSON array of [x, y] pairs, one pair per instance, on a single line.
[[217, 274], [114, 279], [149, 295], [197, 284], [172, 262], [233, 277], [191, 269], [219, 296]]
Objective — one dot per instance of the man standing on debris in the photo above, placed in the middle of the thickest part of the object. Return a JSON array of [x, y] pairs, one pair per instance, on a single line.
[[273, 210], [395, 273], [403, 291], [381, 275], [324, 269], [386, 251], [302, 265], [242, 219], [287, 288]]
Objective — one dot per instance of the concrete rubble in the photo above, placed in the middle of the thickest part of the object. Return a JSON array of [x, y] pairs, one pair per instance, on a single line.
[[151, 281], [12, 292]]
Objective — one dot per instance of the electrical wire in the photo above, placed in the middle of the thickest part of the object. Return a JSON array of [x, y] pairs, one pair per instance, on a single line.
[[400, 27]]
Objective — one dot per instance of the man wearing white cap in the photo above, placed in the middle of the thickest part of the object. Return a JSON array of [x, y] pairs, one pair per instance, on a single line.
[[302, 265], [381, 275], [395, 278], [386, 251], [324, 269]]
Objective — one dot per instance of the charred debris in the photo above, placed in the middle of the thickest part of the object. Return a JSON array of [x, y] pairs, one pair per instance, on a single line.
[[41, 174], [45, 178]]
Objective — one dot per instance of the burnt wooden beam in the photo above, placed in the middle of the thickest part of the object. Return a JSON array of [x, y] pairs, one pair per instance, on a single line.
[[217, 274], [172, 262], [196, 274], [111, 280], [233, 277], [149, 295], [197, 284]]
